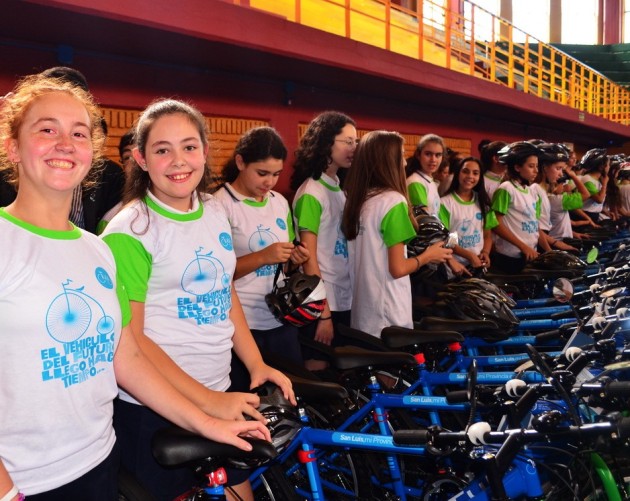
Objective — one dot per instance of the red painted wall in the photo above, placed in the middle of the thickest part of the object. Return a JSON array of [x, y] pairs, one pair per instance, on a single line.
[[237, 62]]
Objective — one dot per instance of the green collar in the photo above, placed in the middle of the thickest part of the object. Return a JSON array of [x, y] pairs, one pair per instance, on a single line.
[[72, 234], [328, 185], [525, 189], [175, 216], [461, 201]]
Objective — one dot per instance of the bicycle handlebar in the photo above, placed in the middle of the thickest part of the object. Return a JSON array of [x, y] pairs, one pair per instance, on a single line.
[[477, 434]]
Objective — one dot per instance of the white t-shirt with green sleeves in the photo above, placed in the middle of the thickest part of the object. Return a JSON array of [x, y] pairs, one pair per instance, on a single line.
[[491, 182], [255, 225], [559, 207], [180, 265], [593, 186], [465, 218], [378, 299], [423, 191], [61, 313], [318, 207], [520, 207], [544, 222]]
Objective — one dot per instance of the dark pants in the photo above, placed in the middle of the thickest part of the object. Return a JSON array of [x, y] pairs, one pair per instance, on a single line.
[[135, 426], [338, 317], [98, 484], [506, 264], [282, 340]]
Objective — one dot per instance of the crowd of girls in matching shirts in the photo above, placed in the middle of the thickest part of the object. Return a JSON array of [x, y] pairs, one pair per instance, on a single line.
[[172, 296], [175, 253], [68, 341]]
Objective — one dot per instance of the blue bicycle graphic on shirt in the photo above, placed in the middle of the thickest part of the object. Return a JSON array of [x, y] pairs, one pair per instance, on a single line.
[[69, 315], [261, 238], [200, 276]]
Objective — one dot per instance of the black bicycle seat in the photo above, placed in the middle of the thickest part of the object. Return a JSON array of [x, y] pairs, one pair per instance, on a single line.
[[175, 447], [398, 337]]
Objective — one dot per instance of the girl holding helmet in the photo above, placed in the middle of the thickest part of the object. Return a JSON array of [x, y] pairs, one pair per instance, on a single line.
[[263, 235], [377, 222], [421, 186]]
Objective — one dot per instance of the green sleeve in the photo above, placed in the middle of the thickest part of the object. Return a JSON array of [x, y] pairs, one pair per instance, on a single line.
[[491, 221], [396, 226], [501, 201], [572, 201], [418, 194], [445, 216], [100, 227], [308, 212], [133, 263], [538, 208], [123, 299], [290, 227], [591, 187]]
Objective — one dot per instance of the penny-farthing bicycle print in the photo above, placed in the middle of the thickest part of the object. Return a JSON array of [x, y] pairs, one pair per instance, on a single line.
[[261, 238], [69, 315], [200, 275]]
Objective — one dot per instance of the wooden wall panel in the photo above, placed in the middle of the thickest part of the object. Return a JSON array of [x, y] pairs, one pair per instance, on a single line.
[[224, 133], [411, 141]]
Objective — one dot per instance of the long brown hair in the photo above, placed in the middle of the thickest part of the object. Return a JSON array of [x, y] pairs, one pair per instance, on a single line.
[[377, 167], [138, 181]]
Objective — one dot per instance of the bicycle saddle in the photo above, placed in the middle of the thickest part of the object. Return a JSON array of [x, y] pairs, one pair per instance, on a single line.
[[317, 391], [175, 447], [351, 357], [398, 337], [452, 324]]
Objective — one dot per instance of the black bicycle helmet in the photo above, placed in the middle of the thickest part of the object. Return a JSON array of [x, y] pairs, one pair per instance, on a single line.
[[617, 159], [283, 421], [553, 152], [430, 231], [594, 159], [298, 299], [516, 153], [557, 260], [624, 172], [476, 304], [473, 283]]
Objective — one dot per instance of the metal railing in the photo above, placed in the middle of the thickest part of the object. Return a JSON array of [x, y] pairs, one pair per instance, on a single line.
[[473, 41]]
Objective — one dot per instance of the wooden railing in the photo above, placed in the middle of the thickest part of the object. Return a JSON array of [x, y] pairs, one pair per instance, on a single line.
[[473, 41]]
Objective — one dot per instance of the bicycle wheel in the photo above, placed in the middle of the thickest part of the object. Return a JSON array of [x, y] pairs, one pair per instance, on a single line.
[[105, 325], [129, 489], [68, 317], [199, 277], [275, 486]]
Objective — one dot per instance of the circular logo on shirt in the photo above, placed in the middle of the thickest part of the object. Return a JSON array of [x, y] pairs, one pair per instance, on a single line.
[[103, 278], [478, 216], [226, 241], [281, 224]]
